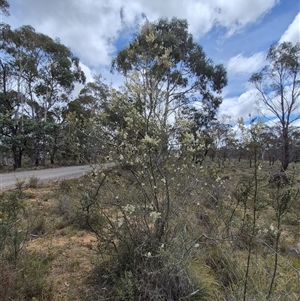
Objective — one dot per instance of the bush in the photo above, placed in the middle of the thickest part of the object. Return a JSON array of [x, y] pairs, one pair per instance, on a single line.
[[12, 231], [27, 279], [33, 182], [144, 276], [32, 280], [7, 281], [145, 234]]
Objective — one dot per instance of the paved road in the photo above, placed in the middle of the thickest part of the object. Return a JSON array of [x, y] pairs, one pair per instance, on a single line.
[[8, 180]]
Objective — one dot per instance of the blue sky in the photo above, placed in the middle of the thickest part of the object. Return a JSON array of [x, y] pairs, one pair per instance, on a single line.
[[254, 38], [236, 33]]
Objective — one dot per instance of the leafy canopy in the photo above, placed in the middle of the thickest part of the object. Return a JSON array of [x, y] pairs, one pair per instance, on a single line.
[[165, 54]]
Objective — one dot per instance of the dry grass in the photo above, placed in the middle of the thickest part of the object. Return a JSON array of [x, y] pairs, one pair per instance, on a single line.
[[71, 253]]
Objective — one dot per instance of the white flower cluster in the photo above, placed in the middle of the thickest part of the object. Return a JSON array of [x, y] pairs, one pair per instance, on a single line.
[[129, 208], [187, 138], [218, 179], [271, 230], [155, 215], [148, 139], [120, 222], [128, 120], [149, 207]]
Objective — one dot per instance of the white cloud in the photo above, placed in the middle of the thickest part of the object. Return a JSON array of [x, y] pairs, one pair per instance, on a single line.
[[235, 15], [241, 106], [88, 27], [292, 34], [246, 65], [91, 27], [87, 71], [89, 77], [205, 14]]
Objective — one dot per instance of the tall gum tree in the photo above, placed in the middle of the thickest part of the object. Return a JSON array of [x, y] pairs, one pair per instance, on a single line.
[[166, 70], [82, 116], [40, 73], [278, 86]]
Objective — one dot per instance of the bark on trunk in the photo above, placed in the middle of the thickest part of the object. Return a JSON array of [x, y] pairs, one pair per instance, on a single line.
[[17, 153], [285, 159]]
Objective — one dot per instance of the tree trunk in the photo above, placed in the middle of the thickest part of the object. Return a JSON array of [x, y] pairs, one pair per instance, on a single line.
[[17, 154], [285, 156], [20, 157], [37, 161]]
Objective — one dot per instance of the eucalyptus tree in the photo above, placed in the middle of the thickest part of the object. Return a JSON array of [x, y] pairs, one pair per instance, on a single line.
[[94, 96], [278, 86], [45, 69], [82, 120], [271, 149], [4, 7], [171, 71], [224, 141], [295, 144], [41, 72]]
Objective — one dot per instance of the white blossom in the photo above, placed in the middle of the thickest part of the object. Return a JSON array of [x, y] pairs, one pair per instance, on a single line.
[[129, 208], [155, 215], [148, 139]]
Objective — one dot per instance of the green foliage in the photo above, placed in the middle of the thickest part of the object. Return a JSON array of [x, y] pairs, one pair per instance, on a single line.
[[12, 232], [160, 47], [19, 184], [27, 280], [166, 70], [47, 71], [4, 6], [224, 266], [33, 182]]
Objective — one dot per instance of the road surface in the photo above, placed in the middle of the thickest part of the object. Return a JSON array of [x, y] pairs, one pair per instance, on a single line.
[[8, 180]]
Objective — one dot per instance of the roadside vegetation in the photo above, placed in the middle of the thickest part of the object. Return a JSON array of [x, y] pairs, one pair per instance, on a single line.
[[192, 209], [218, 234]]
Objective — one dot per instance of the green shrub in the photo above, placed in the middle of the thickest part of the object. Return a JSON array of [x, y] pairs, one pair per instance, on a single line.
[[38, 226], [33, 182], [7, 281], [19, 184], [27, 279], [32, 277], [13, 232]]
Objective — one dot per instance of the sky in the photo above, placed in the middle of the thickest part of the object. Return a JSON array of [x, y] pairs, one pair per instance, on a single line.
[[235, 33]]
